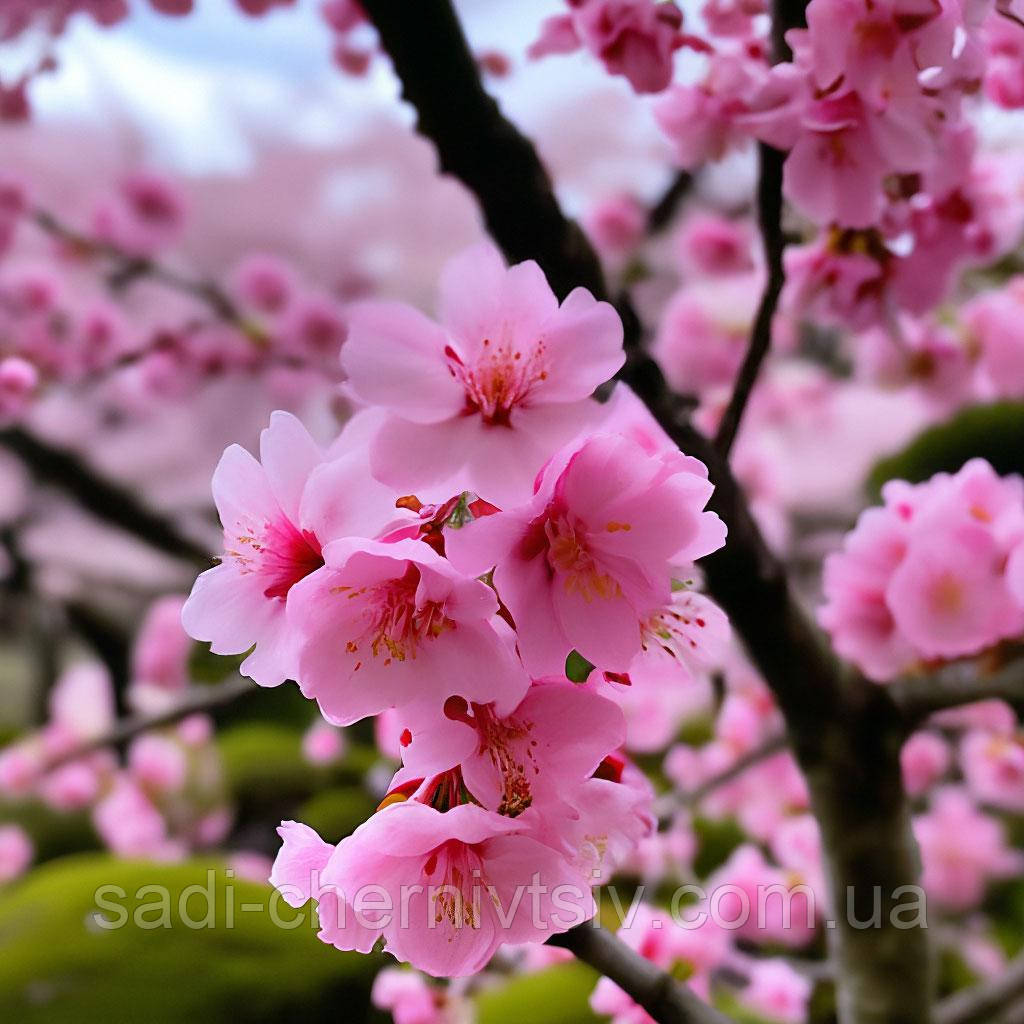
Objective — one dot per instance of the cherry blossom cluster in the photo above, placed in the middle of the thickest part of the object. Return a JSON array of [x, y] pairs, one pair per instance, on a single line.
[[870, 110], [61, 327], [633, 38], [482, 522], [935, 573], [168, 797]]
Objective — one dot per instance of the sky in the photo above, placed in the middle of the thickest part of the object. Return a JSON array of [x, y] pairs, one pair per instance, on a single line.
[[200, 87]]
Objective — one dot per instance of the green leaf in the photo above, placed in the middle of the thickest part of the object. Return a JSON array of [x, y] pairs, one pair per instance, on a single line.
[[558, 995], [577, 668], [992, 432], [163, 965]]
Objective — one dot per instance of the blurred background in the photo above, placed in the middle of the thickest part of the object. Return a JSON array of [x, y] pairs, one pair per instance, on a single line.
[[193, 202]]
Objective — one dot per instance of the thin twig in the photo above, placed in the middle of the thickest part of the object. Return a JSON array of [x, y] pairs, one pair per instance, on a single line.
[[665, 999], [769, 748], [980, 1003], [663, 212], [769, 207], [126, 267], [198, 700]]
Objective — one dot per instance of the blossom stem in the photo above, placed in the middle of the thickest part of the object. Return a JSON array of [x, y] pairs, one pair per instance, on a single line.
[[664, 998]]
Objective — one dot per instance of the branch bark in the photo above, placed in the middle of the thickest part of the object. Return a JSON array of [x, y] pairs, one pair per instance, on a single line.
[[665, 999]]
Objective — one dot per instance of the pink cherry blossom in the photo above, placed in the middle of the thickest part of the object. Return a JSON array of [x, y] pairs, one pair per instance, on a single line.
[[492, 390], [616, 224], [386, 624], [162, 648], [703, 333], [264, 282], [777, 992], [759, 902], [925, 576], [408, 997], [276, 517], [16, 852], [587, 561], [686, 950], [962, 849], [993, 767], [130, 824], [632, 38], [453, 885], [557, 736], [146, 214], [711, 245], [157, 763], [322, 743], [924, 759]]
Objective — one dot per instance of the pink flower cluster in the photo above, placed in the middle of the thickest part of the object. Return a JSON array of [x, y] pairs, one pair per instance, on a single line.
[[879, 153], [936, 573], [632, 38], [554, 525]]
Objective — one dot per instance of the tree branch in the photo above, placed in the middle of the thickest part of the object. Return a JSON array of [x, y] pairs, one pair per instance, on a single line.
[[477, 145], [786, 14], [979, 1004], [769, 748], [664, 210], [104, 499], [664, 998], [956, 685], [845, 732], [769, 211], [198, 700]]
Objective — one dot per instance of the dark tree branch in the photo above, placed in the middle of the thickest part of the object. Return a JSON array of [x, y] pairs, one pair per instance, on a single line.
[[200, 699], [980, 1004], [954, 686], [664, 998], [104, 499], [769, 215], [662, 213], [786, 14], [845, 732], [477, 145]]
